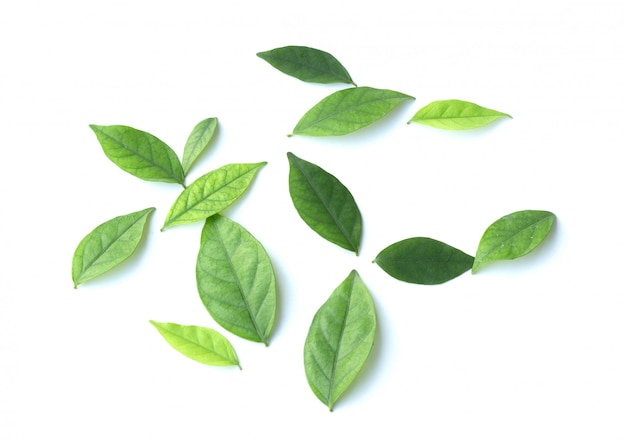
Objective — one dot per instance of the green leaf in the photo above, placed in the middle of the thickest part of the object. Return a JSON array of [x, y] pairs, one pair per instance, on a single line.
[[456, 115], [513, 236], [236, 280], [324, 203], [198, 142], [139, 153], [201, 344], [340, 339], [348, 110], [108, 245], [211, 193], [307, 64], [423, 260]]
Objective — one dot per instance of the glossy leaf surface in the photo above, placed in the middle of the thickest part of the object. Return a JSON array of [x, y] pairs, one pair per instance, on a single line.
[[324, 203], [340, 339], [108, 245], [236, 280], [211, 193], [307, 64], [453, 114], [348, 110], [423, 260], [139, 153], [513, 236], [198, 141]]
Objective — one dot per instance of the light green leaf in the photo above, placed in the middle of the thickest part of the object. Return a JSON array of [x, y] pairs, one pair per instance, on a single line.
[[456, 115], [236, 280], [211, 193], [324, 203], [108, 245], [198, 141], [307, 64], [201, 344], [348, 110], [513, 236], [423, 260], [139, 153], [340, 339]]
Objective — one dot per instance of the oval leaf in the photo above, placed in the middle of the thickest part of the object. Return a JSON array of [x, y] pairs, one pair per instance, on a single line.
[[348, 110], [201, 344], [513, 236], [423, 260], [236, 280], [198, 141], [340, 339], [211, 193], [108, 245], [324, 203], [453, 114], [307, 64], [139, 153]]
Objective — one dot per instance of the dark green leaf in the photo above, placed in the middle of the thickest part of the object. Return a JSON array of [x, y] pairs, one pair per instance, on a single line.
[[324, 203], [423, 260], [236, 280], [456, 115], [340, 339], [198, 142]]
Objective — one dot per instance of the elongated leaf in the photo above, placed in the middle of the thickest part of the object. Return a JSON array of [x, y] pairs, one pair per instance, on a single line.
[[108, 245], [211, 193], [423, 260], [198, 141], [340, 339], [201, 344], [139, 153], [324, 203], [236, 280], [513, 236], [453, 114], [348, 110], [307, 64]]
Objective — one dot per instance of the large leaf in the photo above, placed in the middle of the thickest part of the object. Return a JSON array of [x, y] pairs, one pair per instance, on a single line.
[[211, 193], [423, 260], [453, 114], [236, 280], [307, 64], [348, 110], [340, 339], [324, 203], [198, 141], [139, 153], [108, 245], [201, 344], [513, 236]]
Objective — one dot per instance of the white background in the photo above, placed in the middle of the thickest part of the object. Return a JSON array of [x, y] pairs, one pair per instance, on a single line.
[[526, 352]]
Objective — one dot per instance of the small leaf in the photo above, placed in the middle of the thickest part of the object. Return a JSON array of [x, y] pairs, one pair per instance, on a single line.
[[198, 142], [108, 245], [307, 64], [201, 344], [456, 115], [340, 339], [139, 153], [348, 110], [211, 193], [513, 236], [236, 280], [324, 203], [423, 260]]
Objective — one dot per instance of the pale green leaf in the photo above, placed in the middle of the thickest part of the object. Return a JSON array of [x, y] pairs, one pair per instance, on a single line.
[[453, 114], [236, 280], [108, 245], [340, 339], [198, 141], [348, 110]]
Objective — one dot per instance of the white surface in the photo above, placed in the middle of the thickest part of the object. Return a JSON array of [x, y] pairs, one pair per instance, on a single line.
[[526, 352]]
